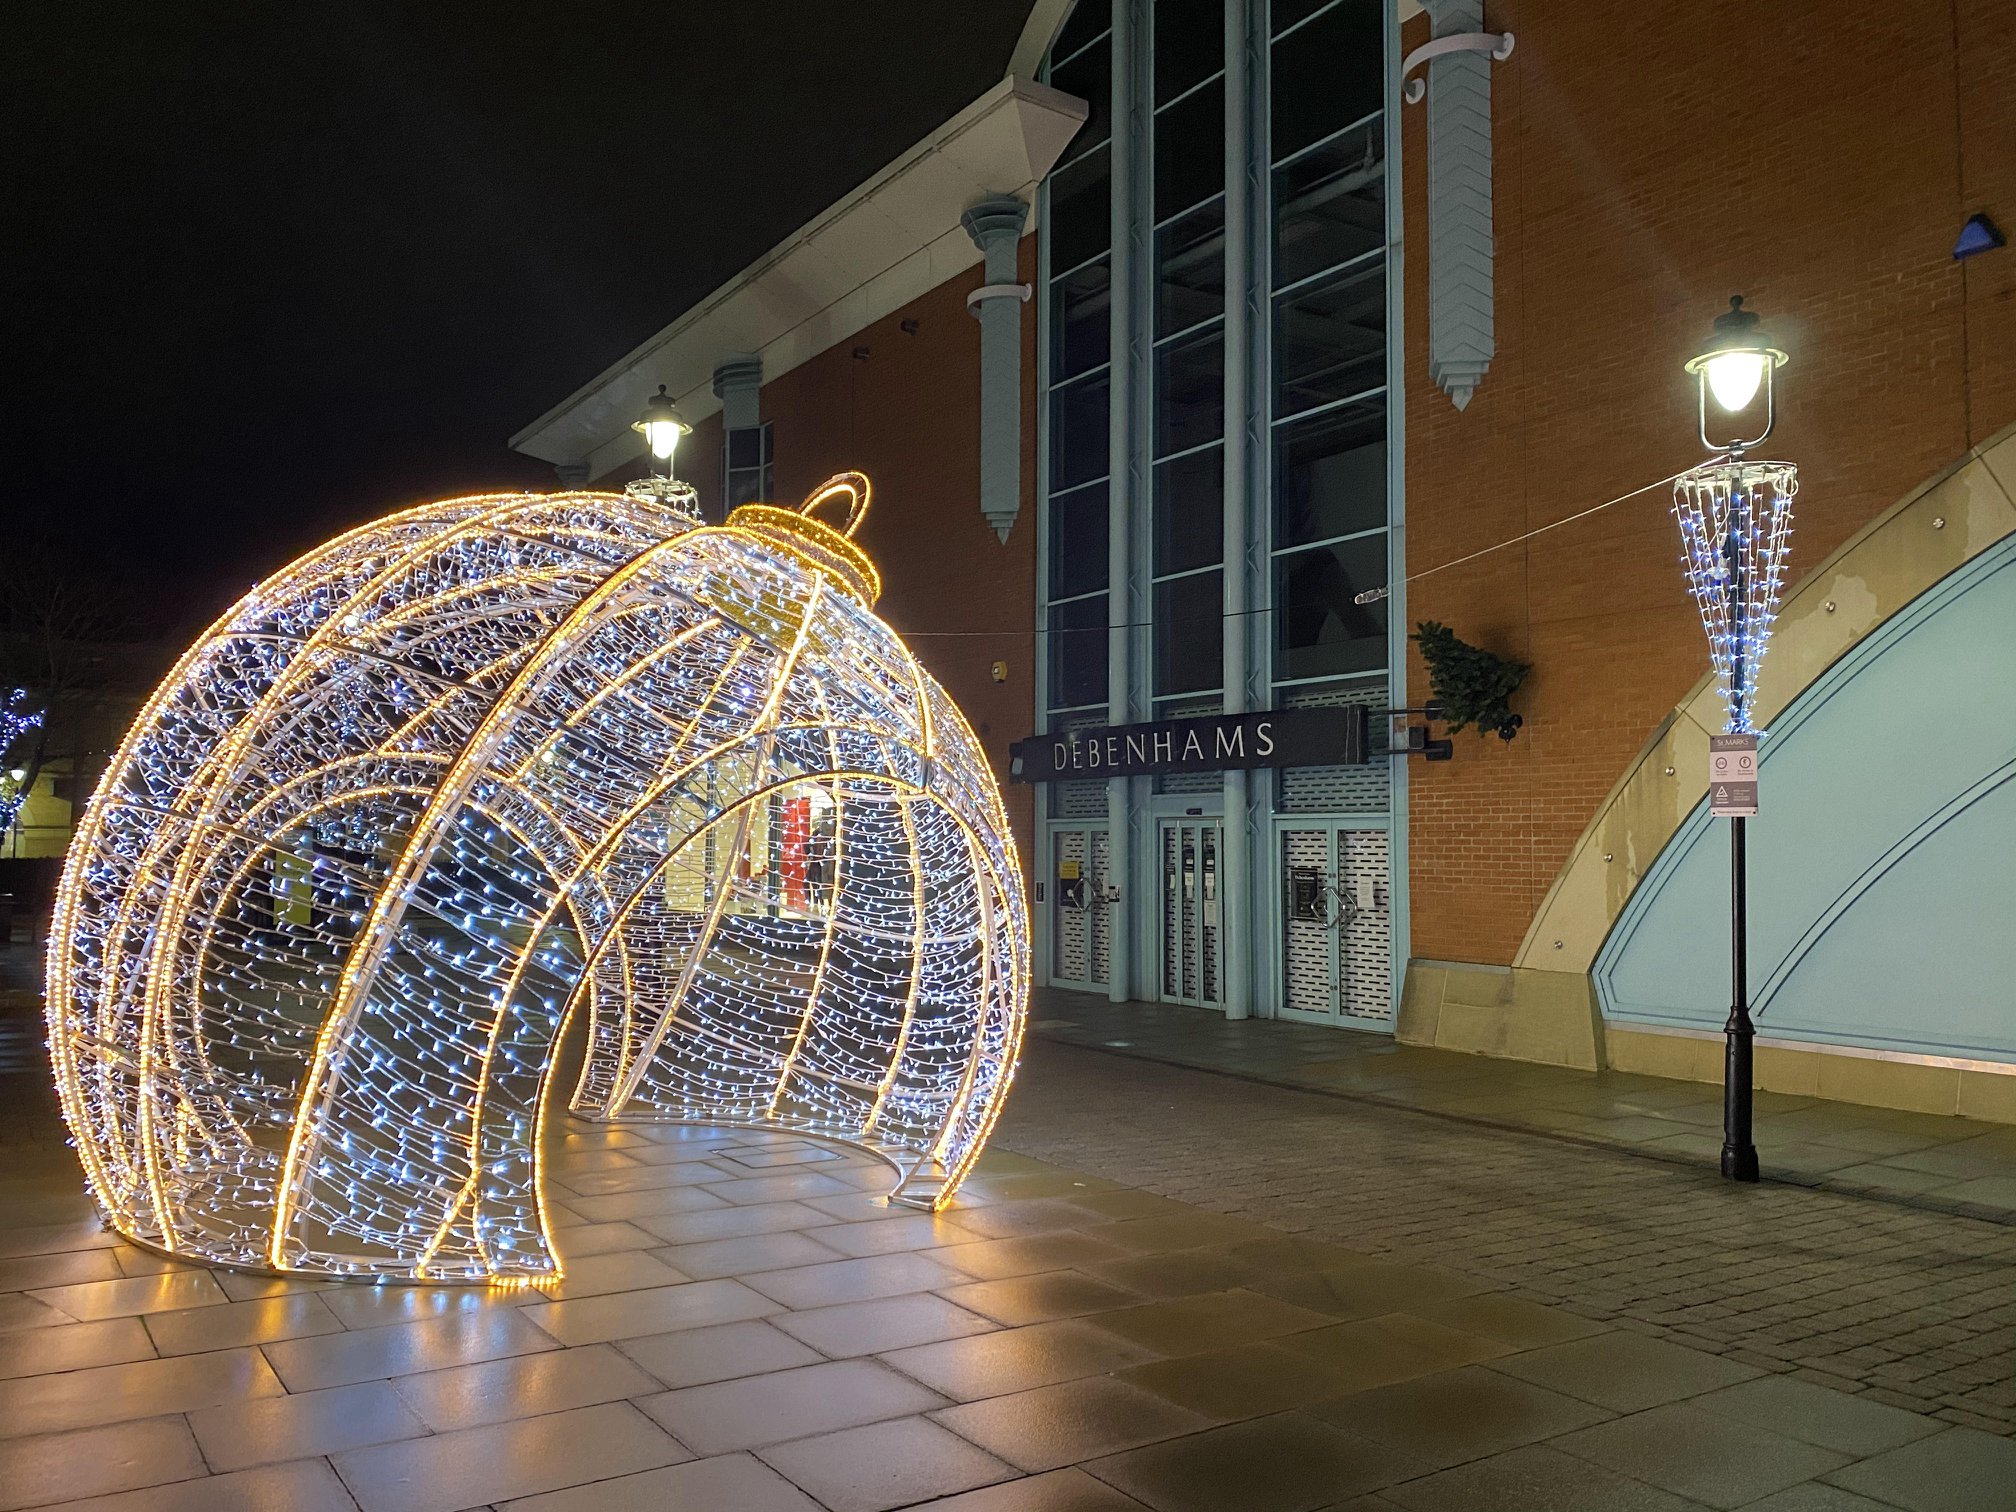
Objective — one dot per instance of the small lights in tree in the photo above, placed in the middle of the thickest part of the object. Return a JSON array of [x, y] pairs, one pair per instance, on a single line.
[[498, 765], [16, 720]]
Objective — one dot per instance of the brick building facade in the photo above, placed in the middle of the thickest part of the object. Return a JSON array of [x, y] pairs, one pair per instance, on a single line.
[[1633, 195], [1642, 167]]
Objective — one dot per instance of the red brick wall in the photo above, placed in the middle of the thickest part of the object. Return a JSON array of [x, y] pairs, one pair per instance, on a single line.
[[906, 411], [1649, 162]]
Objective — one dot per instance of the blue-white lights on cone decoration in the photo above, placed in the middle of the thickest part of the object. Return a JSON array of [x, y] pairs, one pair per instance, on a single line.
[[17, 719], [492, 767], [1735, 528]]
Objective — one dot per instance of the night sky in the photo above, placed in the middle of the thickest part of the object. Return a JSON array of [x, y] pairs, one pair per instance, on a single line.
[[274, 270]]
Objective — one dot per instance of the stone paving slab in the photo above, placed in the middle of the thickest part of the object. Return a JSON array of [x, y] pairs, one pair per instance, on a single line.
[[1952, 1165], [1162, 1289]]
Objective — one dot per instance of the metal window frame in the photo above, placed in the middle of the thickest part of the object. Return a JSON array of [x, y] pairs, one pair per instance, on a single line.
[[1133, 811]]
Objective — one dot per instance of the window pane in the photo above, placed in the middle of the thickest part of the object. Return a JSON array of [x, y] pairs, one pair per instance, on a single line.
[[1190, 392], [1319, 632], [1189, 44], [1326, 75], [1078, 541], [1190, 511], [1330, 474], [1190, 268], [1080, 211], [1088, 19], [1190, 634], [1078, 432], [1081, 325], [1330, 340], [1330, 206], [1090, 77], [1190, 151], [746, 465], [1282, 14], [1078, 653]]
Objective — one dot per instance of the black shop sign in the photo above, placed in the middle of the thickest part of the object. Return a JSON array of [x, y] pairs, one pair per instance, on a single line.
[[1213, 743]]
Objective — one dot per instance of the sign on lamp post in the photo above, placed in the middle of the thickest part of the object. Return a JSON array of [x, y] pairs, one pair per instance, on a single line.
[[1732, 776]]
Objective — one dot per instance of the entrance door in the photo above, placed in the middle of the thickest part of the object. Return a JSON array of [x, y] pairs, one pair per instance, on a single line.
[[1337, 926], [1191, 909], [1080, 925]]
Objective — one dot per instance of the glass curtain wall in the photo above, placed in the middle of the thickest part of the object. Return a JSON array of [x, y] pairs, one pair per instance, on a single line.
[[1187, 437], [1075, 375], [1327, 399], [1077, 234], [1311, 309], [1325, 404]]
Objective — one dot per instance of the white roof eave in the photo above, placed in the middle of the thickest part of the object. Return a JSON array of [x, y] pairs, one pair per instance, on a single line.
[[895, 237]]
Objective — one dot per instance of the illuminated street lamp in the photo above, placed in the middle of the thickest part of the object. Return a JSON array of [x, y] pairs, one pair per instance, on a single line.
[[1735, 519], [1738, 360], [661, 427]]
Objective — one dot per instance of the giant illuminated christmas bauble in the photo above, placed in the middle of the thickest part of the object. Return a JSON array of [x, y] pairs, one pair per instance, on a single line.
[[496, 764]]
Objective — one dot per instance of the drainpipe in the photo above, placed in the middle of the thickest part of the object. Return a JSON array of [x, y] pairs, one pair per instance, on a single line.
[[996, 228]]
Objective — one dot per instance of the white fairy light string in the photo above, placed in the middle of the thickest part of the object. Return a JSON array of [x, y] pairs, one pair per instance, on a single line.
[[460, 776], [1735, 528]]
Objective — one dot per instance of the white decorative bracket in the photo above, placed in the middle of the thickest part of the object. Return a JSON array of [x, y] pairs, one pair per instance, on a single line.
[[995, 224], [1461, 336], [1022, 292], [1498, 44]]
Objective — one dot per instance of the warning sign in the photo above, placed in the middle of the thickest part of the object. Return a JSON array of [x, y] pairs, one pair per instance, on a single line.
[[1732, 776], [1067, 871]]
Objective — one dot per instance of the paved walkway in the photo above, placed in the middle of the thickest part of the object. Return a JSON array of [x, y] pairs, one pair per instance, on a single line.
[[1954, 1165], [1165, 1289], [1903, 1306]]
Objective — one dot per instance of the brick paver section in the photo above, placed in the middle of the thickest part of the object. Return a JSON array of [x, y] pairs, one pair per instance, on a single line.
[[1917, 1309], [1952, 1165]]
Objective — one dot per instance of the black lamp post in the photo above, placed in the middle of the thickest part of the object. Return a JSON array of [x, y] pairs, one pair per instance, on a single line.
[[1735, 522]]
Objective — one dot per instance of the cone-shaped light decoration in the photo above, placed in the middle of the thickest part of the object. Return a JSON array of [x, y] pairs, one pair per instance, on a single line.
[[1735, 525]]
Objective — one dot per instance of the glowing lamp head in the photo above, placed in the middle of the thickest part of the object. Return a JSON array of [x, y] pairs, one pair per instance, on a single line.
[[661, 426], [1733, 378], [1738, 361]]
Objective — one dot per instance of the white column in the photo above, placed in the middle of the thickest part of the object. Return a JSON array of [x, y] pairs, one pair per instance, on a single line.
[[996, 228], [1130, 910], [1236, 908]]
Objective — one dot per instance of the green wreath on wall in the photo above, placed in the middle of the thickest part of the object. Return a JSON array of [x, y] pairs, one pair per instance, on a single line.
[[1474, 686]]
